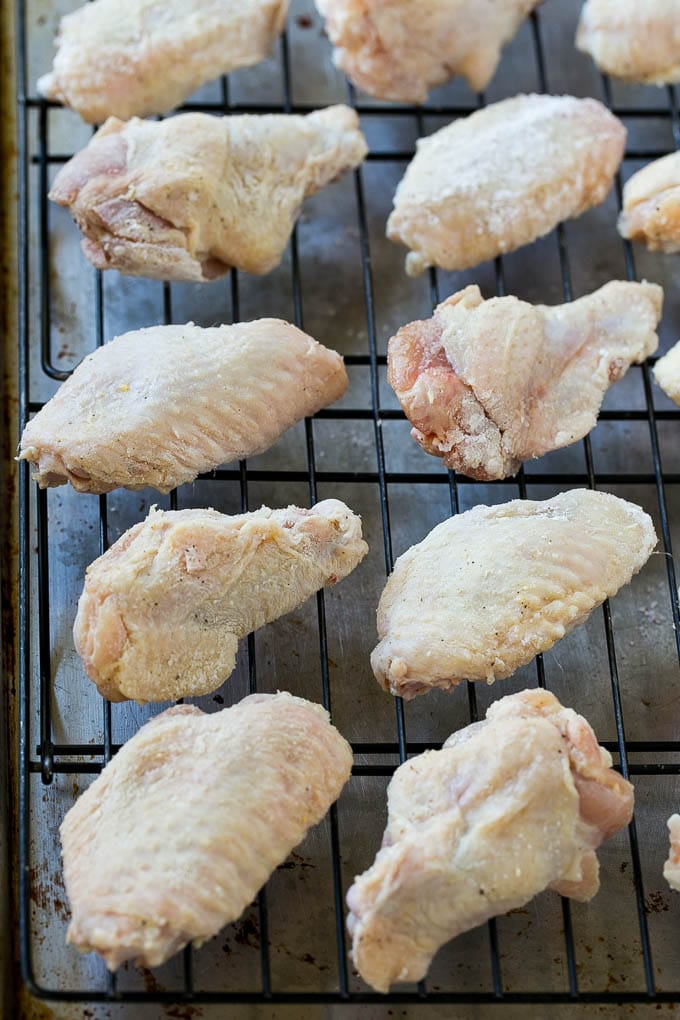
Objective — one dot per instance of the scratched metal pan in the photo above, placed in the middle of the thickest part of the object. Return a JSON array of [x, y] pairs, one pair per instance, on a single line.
[[344, 282]]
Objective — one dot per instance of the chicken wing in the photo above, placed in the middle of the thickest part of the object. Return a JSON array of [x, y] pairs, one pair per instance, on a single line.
[[651, 205], [157, 406], [489, 589], [509, 807], [400, 49], [633, 40], [671, 869], [175, 837], [488, 384], [667, 373], [189, 197], [502, 177], [127, 58], [163, 609]]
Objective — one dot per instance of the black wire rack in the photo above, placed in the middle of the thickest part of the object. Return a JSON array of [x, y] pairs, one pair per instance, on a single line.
[[39, 764]]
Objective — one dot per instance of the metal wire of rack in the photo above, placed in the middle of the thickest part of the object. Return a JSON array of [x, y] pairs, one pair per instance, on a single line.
[[49, 758]]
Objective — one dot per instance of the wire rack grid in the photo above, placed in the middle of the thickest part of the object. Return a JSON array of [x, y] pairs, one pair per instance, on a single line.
[[42, 762]]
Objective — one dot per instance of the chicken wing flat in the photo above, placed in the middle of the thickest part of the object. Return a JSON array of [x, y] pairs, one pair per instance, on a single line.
[[400, 49], [188, 197], [651, 205], [489, 589], [509, 807], [163, 609], [667, 373], [175, 837], [157, 406], [671, 869], [633, 40], [502, 177], [127, 58], [488, 384]]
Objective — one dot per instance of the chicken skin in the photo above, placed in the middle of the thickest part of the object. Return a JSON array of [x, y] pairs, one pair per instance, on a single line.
[[400, 49], [157, 406], [651, 205], [633, 40], [183, 827], [127, 58], [488, 384], [189, 197], [671, 869], [667, 373], [500, 178], [163, 609], [509, 807], [489, 589]]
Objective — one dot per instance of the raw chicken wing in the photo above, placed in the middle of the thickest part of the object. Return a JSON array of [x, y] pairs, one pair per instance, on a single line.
[[489, 589], [188, 197], [509, 807], [667, 373], [157, 406], [638, 40], [671, 869], [651, 205], [400, 49], [502, 177], [163, 609], [175, 837], [488, 384], [138, 57]]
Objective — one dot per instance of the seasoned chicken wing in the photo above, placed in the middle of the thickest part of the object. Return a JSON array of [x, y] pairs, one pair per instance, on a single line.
[[651, 205], [671, 869], [488, 384], [163, 609], [188, 197], [489, 589], [509, 807], [157, 406], [667, 373], [638, 40], [502, 177], [400, 49], [175, 837], [127, 58]]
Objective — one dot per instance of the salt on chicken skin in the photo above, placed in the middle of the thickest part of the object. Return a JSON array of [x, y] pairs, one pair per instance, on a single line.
[[489, 589], [400, 49], [489, 384], [651, 205], [638, 42], [496, 180], [508, 807], [158, 406], [162, 611], [667, 373], [188, 197], [127, 58], [187, 822], [671, 868]]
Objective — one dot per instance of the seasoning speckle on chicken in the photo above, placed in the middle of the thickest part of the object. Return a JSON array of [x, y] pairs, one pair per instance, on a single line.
[[188, 197], [637, 40], [127, 58], [489, 384], [157, 406], [651, 205], [508, 807], [163, 609], [488, 183], [183, 827], [489, 589]]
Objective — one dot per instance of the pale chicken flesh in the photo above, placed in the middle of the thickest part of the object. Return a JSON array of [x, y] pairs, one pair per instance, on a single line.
[[671, 869], [189, 197], [162, 611], [157, 406], [400, 49], [651, 205], [498, 179], [667, 373], [489, 384], [637, 40], [489, 589], [509, 807], [127, 58], [183, 827]]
